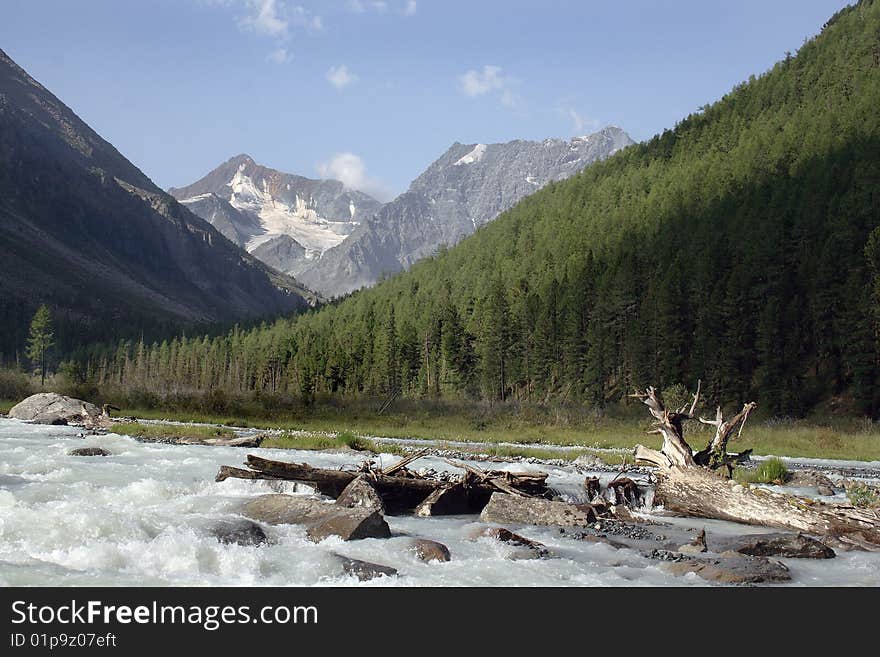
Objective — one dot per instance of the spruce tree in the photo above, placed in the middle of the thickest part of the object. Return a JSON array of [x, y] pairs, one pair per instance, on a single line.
[[40, 340]]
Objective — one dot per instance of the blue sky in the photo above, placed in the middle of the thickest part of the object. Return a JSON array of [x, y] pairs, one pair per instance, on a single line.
[[374, 91]]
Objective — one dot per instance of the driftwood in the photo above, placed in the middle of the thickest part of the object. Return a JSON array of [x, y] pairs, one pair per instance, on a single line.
[[402, 491], [402, 463], [699, 492], [689, 484]]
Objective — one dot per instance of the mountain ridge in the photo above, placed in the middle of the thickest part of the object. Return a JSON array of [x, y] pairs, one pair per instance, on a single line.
[[91, 235]]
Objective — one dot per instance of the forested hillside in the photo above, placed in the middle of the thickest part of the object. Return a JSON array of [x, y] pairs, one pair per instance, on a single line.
[[731, 248]]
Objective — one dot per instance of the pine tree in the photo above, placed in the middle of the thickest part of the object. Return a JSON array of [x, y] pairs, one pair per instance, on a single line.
[[40, 340]]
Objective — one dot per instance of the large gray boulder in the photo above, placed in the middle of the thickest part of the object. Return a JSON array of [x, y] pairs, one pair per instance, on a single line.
[[52, 408], [504, 508], [360, 494], [321, 518]]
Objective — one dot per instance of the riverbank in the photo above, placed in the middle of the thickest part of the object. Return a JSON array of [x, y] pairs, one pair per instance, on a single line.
[[516, 434]]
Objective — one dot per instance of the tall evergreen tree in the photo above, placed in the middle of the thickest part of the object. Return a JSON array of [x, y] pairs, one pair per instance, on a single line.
[[41, 339]]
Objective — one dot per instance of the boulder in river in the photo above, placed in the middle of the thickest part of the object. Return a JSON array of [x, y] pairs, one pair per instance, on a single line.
[[428, 550], [364, 570], [239, 532], [361, 494], [505, 508], [530, 548], [774, 545], [52, 408], [88, 451], [321, 518], [730, 568], [807, 478]]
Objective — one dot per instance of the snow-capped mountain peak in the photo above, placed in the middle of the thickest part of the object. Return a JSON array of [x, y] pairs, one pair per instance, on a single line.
[[253, 205]]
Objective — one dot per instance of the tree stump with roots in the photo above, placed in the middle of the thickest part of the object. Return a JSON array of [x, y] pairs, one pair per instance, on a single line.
[[689, 483]]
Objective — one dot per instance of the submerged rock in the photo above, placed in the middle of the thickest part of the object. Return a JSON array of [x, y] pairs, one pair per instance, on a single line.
[[774, 545], [239, 532], [88, 451], [54, 409], [360, 493], [428, 550], [730, 568], [807, 478], [532, 549], [505, 508], [364, 570], [322, 519]]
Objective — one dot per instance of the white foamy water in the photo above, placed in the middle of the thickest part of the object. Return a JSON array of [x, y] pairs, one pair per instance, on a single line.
[[142, 517]]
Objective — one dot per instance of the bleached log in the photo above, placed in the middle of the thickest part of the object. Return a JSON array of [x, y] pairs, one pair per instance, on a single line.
[[688, 483], [702, 493]]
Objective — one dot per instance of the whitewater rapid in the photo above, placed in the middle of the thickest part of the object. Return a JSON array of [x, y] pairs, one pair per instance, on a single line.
[[142, 517]]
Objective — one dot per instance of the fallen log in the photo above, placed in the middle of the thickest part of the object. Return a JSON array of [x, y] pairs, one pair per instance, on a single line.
[[514, 483], [404, 492], [699, 492], [390, 470], [227, 471], [688, 483], [399, 494]]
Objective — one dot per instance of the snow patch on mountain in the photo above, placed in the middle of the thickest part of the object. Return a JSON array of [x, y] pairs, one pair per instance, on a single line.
[[474, 156], [298, 220]]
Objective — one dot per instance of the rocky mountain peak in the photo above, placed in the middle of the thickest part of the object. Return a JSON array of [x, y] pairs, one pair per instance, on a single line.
[[253, 205], [466, 187]]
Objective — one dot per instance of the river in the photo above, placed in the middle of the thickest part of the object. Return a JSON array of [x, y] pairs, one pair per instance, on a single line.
[[141, 517]]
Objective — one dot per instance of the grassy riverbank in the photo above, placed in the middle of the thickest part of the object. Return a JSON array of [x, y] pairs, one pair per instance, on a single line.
[[165, 431], [342, 440], [528, 428], [842, 438]]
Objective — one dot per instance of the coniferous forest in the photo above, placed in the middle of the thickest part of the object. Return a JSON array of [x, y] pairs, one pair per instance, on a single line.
[[740, 247]]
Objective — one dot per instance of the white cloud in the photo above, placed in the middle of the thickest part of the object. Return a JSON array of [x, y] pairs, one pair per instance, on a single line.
[[364, 6], [410, 8], [477, 83], [490, 80], [340, 77], [266, 18], [280, 56], [274, 18], [581, 123], [352, 172]]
